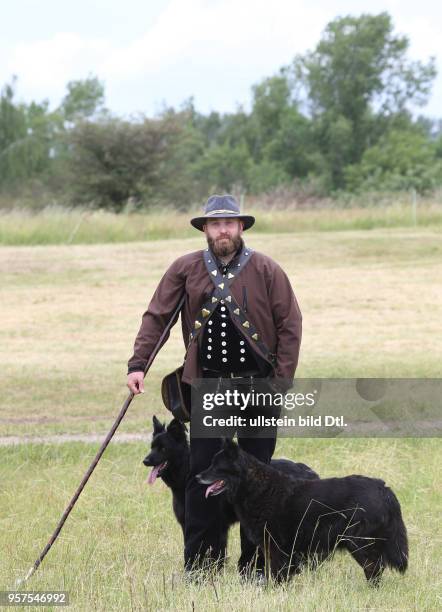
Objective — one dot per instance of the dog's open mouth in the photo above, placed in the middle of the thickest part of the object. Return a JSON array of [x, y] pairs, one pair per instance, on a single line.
[[216, 488], [155, 472]]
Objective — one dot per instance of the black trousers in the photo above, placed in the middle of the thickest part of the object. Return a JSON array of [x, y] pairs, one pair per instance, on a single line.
[[205, 534]]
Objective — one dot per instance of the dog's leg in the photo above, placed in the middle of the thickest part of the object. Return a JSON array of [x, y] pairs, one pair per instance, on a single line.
[[251, 558], [371, 562], [276, 561], [223, 545], [374, 570]]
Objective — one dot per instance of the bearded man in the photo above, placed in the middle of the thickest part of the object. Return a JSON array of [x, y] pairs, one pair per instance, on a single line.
[[240, 320]]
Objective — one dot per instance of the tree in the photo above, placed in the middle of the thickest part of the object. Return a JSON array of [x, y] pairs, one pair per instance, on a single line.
[[26, 133], [223, 167], [181, 185], [278, 135], [113, 161], [271, 100], [358, 73], [83, 99]]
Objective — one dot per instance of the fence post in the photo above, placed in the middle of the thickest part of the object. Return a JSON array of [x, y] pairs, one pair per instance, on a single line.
[[414, 206]]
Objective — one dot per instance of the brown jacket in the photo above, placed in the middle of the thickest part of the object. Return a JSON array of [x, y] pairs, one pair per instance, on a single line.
[[271, 307]]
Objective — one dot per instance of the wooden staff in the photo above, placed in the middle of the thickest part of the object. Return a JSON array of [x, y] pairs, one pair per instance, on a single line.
[[100, 452]]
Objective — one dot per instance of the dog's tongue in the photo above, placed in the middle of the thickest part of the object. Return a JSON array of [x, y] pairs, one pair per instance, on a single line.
[[211, 488], [153, 474]]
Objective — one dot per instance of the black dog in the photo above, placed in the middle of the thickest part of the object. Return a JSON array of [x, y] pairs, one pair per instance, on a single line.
[[304, 521], [169, 459]]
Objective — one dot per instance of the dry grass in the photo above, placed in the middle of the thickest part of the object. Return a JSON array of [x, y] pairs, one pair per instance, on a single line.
[[57, 225], [372, 305], [371, 302]]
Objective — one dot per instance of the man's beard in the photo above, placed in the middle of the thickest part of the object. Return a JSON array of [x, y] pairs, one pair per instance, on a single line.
[[223, 248]]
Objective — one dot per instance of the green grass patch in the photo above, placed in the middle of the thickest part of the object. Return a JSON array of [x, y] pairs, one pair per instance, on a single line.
[[56, 225], [121, 547]]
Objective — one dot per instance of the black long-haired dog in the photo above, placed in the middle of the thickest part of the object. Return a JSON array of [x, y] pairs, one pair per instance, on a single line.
[[304, 521], [169, 459]]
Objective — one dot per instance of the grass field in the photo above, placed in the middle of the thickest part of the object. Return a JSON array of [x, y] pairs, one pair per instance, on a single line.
[[121, 547], [372, 305], [56, 225]]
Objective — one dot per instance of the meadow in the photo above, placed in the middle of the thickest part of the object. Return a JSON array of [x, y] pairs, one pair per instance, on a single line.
[[58, 225], [372, 306]]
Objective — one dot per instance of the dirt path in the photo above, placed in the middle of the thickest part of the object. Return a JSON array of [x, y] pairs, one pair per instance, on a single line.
[[431, 428], [62, 438]]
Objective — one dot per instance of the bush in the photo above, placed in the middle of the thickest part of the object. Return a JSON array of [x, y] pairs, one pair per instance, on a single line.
[[399, 161], [112, 162]]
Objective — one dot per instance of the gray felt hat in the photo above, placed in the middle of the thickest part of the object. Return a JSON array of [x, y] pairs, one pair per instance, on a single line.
[[222, 207]]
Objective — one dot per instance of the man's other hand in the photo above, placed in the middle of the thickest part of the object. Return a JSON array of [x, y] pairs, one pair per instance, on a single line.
[[135, 382]]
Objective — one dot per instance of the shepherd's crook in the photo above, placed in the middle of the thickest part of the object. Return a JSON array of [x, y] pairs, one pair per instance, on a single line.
[[100, 452]]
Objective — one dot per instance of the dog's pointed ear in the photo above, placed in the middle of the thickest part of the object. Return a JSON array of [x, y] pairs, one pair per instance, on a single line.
[[177, 430], [157, 426], [231, 448]]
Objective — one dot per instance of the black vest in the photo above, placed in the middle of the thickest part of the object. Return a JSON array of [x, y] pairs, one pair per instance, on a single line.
[[223, 348]]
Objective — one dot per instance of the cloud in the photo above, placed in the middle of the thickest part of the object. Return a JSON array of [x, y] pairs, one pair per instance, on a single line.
[[198, 36], [226, 31], [196, 45], [44, 67]]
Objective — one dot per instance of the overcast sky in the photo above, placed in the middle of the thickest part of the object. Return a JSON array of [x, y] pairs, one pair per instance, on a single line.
[[151, 52]]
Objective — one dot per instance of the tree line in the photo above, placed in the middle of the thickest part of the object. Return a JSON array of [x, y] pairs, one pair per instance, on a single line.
[[338, 119]]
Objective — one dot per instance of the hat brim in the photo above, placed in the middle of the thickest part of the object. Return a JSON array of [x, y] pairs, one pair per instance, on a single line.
[[198, 222]]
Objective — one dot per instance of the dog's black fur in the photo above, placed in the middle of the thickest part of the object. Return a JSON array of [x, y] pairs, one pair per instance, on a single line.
[[169, 458], [170, 452], [304, 521]]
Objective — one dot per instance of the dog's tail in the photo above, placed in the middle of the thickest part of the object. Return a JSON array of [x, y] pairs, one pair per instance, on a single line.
[[395, 551]]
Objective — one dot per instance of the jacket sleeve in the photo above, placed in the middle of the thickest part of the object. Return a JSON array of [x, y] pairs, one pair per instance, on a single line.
[[158, 314], [287, 319]]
